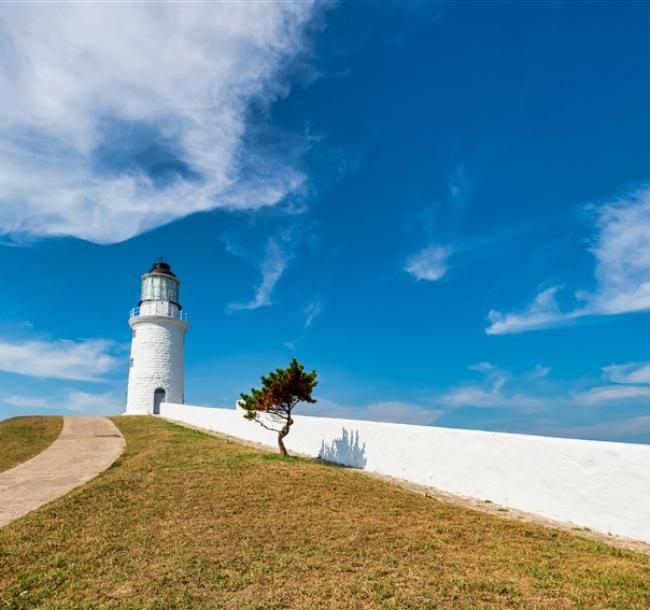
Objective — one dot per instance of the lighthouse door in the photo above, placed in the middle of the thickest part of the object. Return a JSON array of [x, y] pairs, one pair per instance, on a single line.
[[158, 397]]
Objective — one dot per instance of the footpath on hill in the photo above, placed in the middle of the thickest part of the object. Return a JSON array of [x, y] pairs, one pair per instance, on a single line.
[[188, 520], [85, 447]]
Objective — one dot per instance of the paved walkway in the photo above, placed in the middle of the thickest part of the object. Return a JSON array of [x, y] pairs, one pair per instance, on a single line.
[[85, 447]]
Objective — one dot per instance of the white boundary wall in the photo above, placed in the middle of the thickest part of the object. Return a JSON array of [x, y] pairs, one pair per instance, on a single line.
[[601, 485]]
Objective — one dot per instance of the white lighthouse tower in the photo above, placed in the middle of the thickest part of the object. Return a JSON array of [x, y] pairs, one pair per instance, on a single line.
[[156, 373]]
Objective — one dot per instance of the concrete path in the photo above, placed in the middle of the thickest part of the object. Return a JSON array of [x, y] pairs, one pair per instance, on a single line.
[[85, 447]]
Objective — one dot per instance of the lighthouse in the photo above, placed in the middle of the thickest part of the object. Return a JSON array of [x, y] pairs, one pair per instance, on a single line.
[[158, 326]]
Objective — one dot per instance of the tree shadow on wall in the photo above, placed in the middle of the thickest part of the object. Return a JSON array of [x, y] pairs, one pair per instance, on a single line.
[[346, 450]]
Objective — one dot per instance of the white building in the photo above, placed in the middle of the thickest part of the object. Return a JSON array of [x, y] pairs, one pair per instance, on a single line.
[[156, 372]]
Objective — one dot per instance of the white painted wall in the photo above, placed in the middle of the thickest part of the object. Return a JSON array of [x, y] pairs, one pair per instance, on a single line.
[[601, 485], [157, 348]]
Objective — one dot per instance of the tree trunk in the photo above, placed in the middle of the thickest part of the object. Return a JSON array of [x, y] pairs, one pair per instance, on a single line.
[[282, 433]]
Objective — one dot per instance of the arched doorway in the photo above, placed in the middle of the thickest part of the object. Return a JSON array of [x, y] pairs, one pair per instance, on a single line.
[[158, 397]]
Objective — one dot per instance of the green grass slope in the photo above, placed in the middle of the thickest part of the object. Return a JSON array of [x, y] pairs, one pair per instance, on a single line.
[[21, 438], [187, 520]]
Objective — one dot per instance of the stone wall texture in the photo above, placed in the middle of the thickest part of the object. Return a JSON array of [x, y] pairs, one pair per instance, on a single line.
[[600, 485]]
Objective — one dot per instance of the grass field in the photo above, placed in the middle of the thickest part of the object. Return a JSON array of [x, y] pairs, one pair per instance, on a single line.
[[187, 520], [22, 438]]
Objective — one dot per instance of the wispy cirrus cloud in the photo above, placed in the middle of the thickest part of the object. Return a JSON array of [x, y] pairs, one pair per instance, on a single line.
[[543, 312], [88, 402], [118, 118], [534, 390], [612, 393], [428, 264], [621, 249], [312, 311], [629, 381], [272, 268], [461, 185], [632, 372], [384, 411], [73, 400], [29, 402], [533, 399], [498, 389], [88, 360], [622, 428]]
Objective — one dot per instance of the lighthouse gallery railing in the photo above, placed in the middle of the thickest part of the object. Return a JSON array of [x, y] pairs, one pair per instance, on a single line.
[[159, 310]]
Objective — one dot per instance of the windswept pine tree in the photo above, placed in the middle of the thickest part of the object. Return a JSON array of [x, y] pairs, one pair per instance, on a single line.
[[271, 405]]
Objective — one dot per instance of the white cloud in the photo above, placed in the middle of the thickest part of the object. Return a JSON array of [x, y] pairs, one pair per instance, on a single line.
[[312, 311], [629, 427], [429, 264], [85, 402], [402, 412], [541, 313], [534, 390], [632, 372], [75, 401], [482, 367], [533, 398], [498, 389], [609, 393], [540, 371], [384, 411], [461, 185], [621, 249], [492, 398], [29, 402], [272, 268], [89, 89], [86, 360]]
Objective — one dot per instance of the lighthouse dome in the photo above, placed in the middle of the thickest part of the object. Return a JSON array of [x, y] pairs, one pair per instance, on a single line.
[[161, 267]]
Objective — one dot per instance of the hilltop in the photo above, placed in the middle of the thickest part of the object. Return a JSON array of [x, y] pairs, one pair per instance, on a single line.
[[187, 520]]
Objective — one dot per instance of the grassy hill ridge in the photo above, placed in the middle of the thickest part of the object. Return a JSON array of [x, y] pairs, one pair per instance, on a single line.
[[187, 520]]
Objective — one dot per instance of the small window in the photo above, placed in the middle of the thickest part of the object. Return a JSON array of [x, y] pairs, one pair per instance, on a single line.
[[131, 363], [133, 334]]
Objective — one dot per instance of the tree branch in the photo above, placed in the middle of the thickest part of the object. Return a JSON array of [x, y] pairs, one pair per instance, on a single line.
[[261, 423]]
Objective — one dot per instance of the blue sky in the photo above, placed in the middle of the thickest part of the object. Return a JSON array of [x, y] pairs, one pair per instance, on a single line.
[[442, 207]]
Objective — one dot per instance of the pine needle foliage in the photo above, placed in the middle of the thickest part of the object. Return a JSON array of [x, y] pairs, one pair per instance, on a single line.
[[272, 404]]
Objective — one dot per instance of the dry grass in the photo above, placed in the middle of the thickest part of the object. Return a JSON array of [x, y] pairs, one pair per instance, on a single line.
[[21, 438], [187, 520]]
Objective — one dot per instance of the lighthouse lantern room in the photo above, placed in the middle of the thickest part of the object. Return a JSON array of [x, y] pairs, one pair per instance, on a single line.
[[158, 324]]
